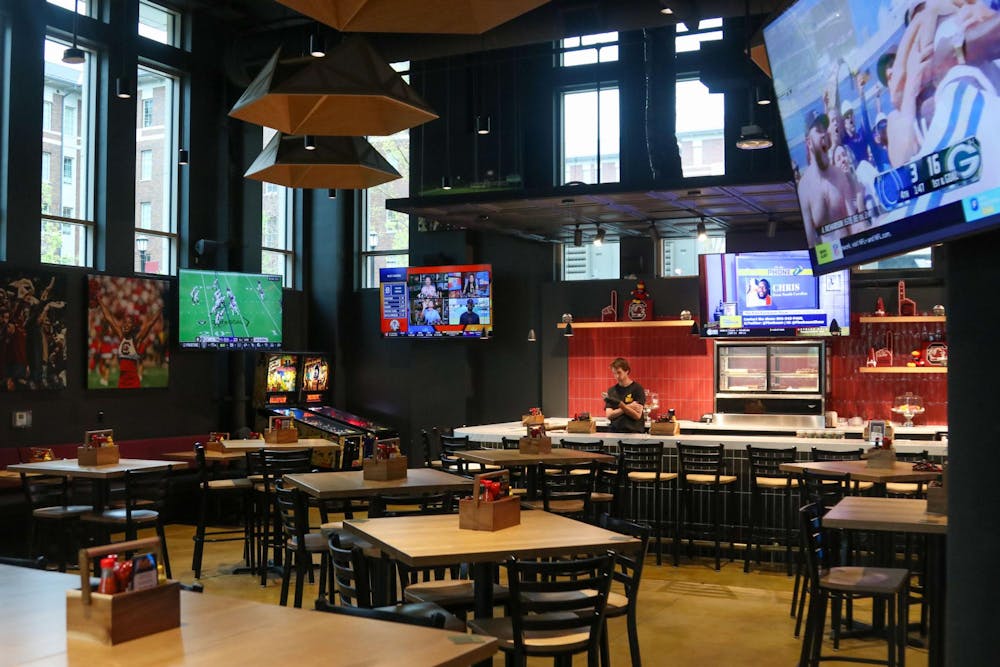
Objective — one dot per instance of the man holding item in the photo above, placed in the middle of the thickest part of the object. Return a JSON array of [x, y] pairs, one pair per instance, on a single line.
[[624, 401]]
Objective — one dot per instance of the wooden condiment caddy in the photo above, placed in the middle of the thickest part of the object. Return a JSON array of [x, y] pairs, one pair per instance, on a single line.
[[581, 426], [280, 436], [385, 469], [113, 619], [533, 420], [880, 457], [665, 428], [98, 456], [937, 496], [530, 445], [477, 513]]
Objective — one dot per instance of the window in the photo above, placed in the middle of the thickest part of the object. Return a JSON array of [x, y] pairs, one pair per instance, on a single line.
[[46, 169], [700, 129], [67, 170], [385, 237], [591, 262], [589, 49], [277, 255], [46, 115], [158, 23], [680, 256], [156, 173], [145, 165], [67, 211], [590, 136], [82, 7], [709, 30], [916, 259]]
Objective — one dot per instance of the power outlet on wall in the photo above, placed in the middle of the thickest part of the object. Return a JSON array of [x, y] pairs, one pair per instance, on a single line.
[[21, 419]]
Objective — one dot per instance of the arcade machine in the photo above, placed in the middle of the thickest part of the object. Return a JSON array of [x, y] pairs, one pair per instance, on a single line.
[[283, 380]]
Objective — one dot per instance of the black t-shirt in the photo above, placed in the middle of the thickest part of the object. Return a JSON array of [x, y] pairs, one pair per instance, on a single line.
[[634, 393]]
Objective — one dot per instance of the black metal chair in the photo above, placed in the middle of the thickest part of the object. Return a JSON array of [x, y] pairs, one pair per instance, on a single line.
[[211, 488], [557, 610], [770, 485], [602, 497], [847, 455], [299, 542], [640, 464], [272, 465], [566, 490], [828, 583], [628, 574], [700, 468], [449, 448], [48, 498]]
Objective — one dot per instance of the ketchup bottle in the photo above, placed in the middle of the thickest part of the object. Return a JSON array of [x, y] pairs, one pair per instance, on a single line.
[[108, 584]]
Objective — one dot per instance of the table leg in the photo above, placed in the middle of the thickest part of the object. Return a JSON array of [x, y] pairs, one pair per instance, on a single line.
[[936, 599], [482, 577]]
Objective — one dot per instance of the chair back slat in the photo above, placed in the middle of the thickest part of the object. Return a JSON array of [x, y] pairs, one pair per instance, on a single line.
[[700, 460], [592, 446], [640, 457], [824, 489], [628, 565], [836, 455], [350, 576]]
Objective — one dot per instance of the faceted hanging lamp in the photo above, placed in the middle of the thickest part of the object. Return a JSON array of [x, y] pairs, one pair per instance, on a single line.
[[471, 17], [349, 92], [344, 163]]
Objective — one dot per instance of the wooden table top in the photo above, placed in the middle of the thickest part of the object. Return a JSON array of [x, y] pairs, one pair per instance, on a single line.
[[437, 540], [218, 630], [514, 457], [352, 484], [188, 455], [302, 443], [901, 471], [72, 468], [903, 515]]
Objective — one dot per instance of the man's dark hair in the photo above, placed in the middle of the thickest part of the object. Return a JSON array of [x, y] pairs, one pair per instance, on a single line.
[[622, 364]]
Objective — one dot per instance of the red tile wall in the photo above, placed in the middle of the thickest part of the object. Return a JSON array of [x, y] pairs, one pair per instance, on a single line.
[[679, 367]]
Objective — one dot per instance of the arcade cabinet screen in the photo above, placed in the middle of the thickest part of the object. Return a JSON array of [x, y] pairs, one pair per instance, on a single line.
[[315, 379], [282, 374], [229, 311]]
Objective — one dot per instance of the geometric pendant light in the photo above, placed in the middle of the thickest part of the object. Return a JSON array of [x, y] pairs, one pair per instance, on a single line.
[[349, 92], [345, 163], [469, 17]]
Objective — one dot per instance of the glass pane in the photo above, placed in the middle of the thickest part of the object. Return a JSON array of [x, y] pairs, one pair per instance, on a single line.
[[917, 259], [610, 134], [375, 262], [609, 54], [581, 57], [700, 129], [274, 212], [157, 23], [600, 38], [153, 254], [590, 262], [82, 7], [65, 243], [693, 42], [708, 24], [66, 138], [680, 256], [278, 264], [155, 145], [385, 229]]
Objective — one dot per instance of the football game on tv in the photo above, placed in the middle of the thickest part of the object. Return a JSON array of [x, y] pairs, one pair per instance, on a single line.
[[771, 294], [229, 311], [437, 301], [890, 112]]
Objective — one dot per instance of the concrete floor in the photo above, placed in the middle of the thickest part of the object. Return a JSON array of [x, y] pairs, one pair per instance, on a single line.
[[688, 615]]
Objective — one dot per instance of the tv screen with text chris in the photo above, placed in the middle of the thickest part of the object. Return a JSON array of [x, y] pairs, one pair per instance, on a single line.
[[771, 294], [453, 301], [890, 111]]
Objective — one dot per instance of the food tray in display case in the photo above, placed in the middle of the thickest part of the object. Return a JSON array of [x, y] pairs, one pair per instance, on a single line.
[[766, 377]]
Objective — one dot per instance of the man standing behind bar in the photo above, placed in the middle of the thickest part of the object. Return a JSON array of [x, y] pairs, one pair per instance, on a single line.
[[624, 401]]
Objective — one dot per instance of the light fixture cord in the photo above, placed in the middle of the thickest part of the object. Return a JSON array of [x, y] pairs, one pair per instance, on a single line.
[[76, 11]]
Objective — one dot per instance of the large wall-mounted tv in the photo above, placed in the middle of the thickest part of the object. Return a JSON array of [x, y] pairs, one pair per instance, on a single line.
[[890, 112], [437, 301], [771, 294], [229, 311]]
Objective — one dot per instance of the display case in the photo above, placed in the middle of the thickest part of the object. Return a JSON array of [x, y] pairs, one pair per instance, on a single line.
[[770, 378]]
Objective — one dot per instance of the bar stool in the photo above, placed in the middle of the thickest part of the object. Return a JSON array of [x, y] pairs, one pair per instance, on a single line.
[[767, 481], [641, 464], [849, 455], [48, 498], [602, 496], [239, 488], [702, 467]]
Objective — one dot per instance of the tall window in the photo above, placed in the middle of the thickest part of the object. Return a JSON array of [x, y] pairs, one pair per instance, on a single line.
[[83, 7], [680, 256], [385, 237], [277, 255], [156, 172], [158, 23], [589, 49], [68, 101], [700, 129], [591, 262], [708, 30], [590, 136]]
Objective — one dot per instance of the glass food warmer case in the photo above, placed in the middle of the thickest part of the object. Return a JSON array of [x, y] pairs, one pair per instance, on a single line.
[[770, 378]]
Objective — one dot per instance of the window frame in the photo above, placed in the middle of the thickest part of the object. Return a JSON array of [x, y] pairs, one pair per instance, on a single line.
[[597, 87], [287, 252]]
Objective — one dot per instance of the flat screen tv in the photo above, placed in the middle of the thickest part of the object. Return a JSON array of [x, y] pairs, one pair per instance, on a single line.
[[771, 294], [218, 310], [890, 113], [314, 383], [437, 301], [281, 378]]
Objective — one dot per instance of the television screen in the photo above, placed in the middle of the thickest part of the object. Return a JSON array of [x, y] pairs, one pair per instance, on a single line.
[[281, 379], [890, 110], [315, 379], [771, 294], [128, 333], [437, 301], [229, 311]]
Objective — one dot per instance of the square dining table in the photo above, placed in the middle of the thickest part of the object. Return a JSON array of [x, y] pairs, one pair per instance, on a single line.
[[901, 471], [437, 540], [352, 484], [514, 458], [904, 515]]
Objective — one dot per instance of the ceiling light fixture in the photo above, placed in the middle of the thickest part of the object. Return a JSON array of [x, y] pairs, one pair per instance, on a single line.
[[599, 239], [317, 46], [183, 157], [331, 193], [123, 88], [753, 138], [567, 319], [531, 336], [702, 231], [664, 9], [445, 183], [483, 124], [309, 142], [74, 55], [344, 163], [763, 99], [578, 237]]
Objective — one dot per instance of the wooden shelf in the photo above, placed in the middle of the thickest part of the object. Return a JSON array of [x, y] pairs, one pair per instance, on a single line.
[[892, 319], [617, 325], [903, 370]]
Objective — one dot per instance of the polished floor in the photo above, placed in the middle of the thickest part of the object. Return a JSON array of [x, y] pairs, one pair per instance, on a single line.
[[688, 615]]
